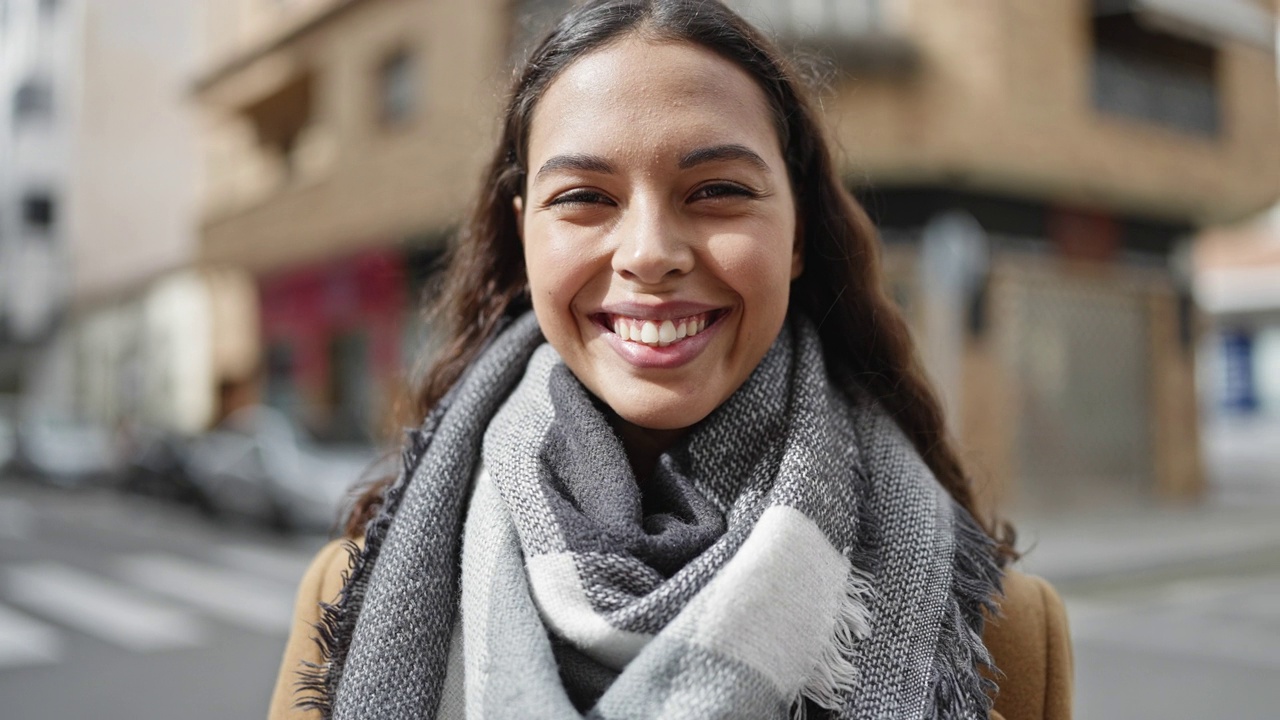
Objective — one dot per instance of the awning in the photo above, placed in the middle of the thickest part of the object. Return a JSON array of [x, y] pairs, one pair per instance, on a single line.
[[1211, 21]]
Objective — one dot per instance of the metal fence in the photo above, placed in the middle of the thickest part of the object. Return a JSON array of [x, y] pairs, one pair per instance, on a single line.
[[1073, 345], [1077, 350]]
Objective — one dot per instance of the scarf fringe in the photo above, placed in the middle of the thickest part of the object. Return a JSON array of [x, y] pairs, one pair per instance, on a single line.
[[962, 672], [312, 685], [317, 683], [836, 676]]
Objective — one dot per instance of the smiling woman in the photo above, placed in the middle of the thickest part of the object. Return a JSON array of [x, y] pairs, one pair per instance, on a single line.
[[661, 201], [677, 458]]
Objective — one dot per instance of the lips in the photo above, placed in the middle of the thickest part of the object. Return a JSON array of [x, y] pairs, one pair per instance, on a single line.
[[664, 336]]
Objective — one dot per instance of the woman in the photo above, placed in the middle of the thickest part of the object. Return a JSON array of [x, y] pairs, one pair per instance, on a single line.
[[677, 459]]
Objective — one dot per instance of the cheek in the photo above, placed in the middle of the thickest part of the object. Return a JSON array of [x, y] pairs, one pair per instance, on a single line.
[[558, 271], [756, 268]]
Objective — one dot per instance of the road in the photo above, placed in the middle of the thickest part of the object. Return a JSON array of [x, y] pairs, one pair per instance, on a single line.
[[1180, 644], [122, 608]]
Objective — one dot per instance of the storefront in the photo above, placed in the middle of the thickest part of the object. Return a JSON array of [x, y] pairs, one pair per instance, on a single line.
[[332, 336]]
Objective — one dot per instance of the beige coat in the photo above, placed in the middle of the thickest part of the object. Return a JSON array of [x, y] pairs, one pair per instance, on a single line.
[[1029, 642]]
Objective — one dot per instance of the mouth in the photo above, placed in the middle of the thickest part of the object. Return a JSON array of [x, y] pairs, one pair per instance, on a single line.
[[658, 333]]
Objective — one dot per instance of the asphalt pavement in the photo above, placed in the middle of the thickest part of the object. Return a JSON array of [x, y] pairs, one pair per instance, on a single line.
[[1175, 611], [115, 607], [122, 608]]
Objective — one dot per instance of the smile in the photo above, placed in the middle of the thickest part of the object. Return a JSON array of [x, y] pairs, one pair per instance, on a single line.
[[659, 333]]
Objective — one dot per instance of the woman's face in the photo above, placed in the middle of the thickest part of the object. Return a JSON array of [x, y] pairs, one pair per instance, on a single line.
[[659, 228]]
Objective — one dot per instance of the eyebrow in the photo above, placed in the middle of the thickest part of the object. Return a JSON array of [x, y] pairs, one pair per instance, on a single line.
[[720, 153], [583, 162], [579, 162]]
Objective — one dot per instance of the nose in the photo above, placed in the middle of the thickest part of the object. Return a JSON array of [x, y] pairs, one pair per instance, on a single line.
[[654, 247]]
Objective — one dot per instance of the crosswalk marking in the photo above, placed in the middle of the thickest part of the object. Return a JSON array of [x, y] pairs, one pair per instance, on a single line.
[[26, 641], [101, 608], [285, 565], [254, 603]]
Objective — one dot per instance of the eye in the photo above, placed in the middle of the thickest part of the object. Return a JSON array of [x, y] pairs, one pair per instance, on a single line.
[[713, 191], [579, 197]]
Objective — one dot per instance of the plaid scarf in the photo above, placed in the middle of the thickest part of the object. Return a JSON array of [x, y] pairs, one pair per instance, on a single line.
[[791, 557]]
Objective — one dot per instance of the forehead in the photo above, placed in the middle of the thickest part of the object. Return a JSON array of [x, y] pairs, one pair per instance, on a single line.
[[639, 97]]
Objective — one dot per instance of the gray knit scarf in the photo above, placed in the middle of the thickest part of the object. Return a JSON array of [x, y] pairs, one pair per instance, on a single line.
[[791, 557]]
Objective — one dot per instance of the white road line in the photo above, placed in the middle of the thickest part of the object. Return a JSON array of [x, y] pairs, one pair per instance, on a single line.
[[25, 641], [283, 565], [101, 608], [245, 600]]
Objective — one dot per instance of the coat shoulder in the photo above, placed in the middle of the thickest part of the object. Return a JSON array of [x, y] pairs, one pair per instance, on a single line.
[[1031, 645], [321, 583]]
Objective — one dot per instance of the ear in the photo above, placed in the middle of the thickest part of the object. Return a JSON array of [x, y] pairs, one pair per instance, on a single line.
[[517, 205], [797, 251]]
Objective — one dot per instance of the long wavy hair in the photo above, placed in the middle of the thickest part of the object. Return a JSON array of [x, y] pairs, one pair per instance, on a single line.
[[841, 289]]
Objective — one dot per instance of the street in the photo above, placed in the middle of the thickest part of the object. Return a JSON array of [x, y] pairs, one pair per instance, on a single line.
[[116, 607], [121, 608], [1174, 645]]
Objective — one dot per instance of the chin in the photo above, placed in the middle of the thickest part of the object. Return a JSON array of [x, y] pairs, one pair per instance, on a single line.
[[660, 409]]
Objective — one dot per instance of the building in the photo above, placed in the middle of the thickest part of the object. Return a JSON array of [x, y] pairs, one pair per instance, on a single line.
[[106, 319], [1065, 153], [342, 138], [1237, 272], [38, 99], [1238, 285], [1058, 153]]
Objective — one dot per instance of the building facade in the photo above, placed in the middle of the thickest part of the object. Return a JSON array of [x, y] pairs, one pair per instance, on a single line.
[[39, 95], [1036, 170], [104, 317]]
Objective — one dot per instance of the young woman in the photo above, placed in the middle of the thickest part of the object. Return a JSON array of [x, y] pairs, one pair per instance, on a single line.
[[677, 459]]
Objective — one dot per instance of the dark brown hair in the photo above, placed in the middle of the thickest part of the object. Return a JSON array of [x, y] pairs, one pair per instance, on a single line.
[[841, 290]]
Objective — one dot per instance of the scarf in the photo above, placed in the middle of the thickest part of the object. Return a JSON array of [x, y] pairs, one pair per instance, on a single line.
[[792, 556]]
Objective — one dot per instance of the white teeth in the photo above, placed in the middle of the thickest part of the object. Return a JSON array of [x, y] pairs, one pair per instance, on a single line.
[[649, 333], [659, 333]]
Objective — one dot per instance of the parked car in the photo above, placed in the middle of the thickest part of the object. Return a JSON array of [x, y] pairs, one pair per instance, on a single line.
[[259, 465], [65, 451], [158, 465]]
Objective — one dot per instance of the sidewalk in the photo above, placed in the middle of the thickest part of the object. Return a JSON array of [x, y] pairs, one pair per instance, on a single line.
[[1110, 544]]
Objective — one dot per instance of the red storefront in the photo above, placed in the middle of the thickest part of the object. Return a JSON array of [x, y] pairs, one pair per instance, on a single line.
[[332, 335]]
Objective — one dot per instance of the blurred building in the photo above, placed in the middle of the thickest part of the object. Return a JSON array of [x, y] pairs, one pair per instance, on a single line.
[[1237, 272], [105, 318], [1036, 168], [1238, 285], [38, 96], [342, 139]]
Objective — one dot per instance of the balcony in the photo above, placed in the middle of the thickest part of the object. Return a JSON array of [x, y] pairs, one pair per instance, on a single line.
[[861, 35]]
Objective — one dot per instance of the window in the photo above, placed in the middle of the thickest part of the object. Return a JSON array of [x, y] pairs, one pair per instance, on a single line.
[[39, 213], [397, 88], [1144, 74]]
